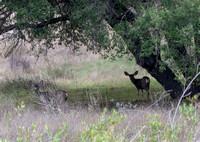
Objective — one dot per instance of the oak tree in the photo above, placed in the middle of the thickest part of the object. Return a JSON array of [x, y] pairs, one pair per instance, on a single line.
[[162, 35]]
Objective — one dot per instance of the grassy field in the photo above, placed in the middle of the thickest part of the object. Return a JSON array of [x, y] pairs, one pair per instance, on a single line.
[[80, 76], [92, 84]]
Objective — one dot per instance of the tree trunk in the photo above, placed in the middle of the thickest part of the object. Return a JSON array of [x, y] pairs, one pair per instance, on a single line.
[[166, 77]]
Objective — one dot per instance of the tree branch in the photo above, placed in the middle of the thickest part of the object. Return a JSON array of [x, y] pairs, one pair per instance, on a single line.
[[40, 25]]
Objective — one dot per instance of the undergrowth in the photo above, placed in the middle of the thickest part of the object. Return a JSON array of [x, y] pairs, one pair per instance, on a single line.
[[110, 126]]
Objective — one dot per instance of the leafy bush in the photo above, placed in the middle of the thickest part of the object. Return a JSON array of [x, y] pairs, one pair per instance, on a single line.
[[104, 131], [185, 127]]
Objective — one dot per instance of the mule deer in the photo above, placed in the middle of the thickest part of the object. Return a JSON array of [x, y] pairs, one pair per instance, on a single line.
[[58, 97], [140, 84]]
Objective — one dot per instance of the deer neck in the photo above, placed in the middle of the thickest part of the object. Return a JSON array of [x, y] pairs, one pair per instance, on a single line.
[[37, 92], [133, 80]]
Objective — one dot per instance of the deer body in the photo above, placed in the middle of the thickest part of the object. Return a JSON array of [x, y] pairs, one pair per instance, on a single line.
[[46, 98], [58, 94], [140, 84]]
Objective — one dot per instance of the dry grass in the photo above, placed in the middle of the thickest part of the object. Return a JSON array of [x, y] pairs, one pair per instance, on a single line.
[[81, 74], [137, 122], [11, 122], [66, 66]]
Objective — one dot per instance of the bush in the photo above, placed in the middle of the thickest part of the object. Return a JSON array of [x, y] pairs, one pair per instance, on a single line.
[[184, 128], [104, 131]]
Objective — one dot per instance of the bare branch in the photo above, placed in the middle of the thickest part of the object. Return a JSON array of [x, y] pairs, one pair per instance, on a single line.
[[13, 47], [183, 95], [2, 8], [3, 19]]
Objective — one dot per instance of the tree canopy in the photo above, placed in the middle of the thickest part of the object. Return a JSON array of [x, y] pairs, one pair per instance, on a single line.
[[162, 35]]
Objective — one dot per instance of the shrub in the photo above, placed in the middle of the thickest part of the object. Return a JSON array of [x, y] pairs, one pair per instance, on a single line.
[[104, 131]]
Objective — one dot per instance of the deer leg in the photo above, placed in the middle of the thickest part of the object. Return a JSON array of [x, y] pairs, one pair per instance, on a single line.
[[142, 92], [147, 94], [138, 92]]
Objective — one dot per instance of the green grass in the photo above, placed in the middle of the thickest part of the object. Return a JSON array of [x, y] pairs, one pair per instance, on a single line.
[[123, 91], [108, 80]]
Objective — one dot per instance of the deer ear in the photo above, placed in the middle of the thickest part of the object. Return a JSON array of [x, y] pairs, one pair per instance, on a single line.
[[127, 74], [136, 73]]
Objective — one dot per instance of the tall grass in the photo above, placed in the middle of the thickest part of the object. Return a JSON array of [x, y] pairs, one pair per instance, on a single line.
[[79, 124], [92, 84]]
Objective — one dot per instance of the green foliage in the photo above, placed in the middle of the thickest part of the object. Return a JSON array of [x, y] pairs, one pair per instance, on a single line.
[[20, 107], [3, 140], [172, 134], [155, 128], [141, 138], [86, 23], [59, 135], [192, 119], [194, 100], [28, 134], [29, 12], [186, 127], [104, 130], [188, 112], [176, 23]]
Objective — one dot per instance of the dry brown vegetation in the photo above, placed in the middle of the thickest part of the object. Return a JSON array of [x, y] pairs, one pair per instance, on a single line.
[[83, 74], [15, 124]]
